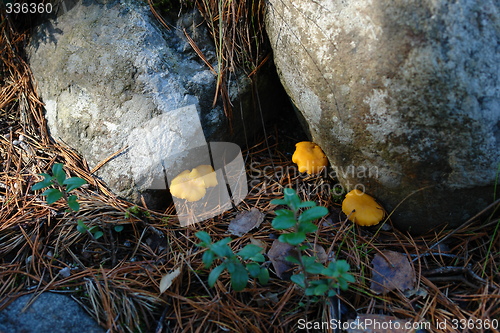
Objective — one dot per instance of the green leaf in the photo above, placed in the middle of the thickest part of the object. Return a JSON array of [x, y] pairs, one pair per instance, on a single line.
[[208, 258], [284, 212], [46, 176], [344, 281], [312, 214], [314, 268], [299, 279], [307, 204], [81, 227], [308, 260], [98, 234], [224, 241], [118, 228], [202, 235], [332, 293], [291, 198], [94, 229], [318, 290], [307, 227], [231, 265], [321, 289], [258, 257], [349, 277], [278, 202], [292, 259], [46, 182], [58, 172], [249, 251], [52, 195], [264, 276], [73, 183], [73, 203], [214, 274], [239, 278], [40, 185], [293, 238], [221, 249], [341, 266], [283, 222], [253, 269]]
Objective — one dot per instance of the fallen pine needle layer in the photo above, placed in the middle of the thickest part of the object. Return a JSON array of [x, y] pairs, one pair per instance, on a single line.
[[117, 277]]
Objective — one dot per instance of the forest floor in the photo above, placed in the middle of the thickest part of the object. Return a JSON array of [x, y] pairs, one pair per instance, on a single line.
[[453, 274]]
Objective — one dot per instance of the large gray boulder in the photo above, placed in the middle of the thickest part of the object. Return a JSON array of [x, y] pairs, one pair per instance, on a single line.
[[403, 97], [107, 72]]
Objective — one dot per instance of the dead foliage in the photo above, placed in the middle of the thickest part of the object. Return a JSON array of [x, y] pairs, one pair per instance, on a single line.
[[237, 28], [117, 277]]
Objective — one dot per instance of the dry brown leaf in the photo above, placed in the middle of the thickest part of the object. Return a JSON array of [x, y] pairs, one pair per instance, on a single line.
[[373, 323], [269, 297], [245, 221], [391, 271], [319, 252], [259, 243], [167, 279], [277, 254]]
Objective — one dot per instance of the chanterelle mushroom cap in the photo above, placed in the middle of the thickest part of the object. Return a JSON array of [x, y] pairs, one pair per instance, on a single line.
[[188, 185], [208, 174], [309, 157], [362, 209]]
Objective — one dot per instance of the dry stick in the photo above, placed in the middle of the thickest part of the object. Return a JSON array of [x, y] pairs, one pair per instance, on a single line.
[[259, 65], [107, 159], [157, 15], [198, 52]]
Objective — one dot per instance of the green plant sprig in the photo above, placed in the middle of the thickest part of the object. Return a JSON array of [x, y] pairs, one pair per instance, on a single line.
[[313, 277], [60, 187], [316, 279], [233, 262]]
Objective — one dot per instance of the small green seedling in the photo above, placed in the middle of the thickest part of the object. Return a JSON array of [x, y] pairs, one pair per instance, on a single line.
[[337, 196], [135, 210], [233, 262], [94, 231], [60, 186], [313, 277]]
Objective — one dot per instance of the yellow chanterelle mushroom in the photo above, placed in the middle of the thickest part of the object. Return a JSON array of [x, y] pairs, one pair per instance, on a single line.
[[309, 157], [208, 174], [362, 209], [192, 185]]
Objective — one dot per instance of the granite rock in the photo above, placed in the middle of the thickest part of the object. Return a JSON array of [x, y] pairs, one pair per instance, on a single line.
[[403, 97], [49, 313]]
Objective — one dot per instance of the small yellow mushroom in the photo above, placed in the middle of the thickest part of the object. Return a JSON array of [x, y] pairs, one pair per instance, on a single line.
[[362, 209], [192, 185], [188, 185], [208, 174], [309, 157]]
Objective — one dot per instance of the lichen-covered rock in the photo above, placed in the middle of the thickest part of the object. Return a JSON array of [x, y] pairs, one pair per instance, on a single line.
[[403, 97], [106, 67]]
